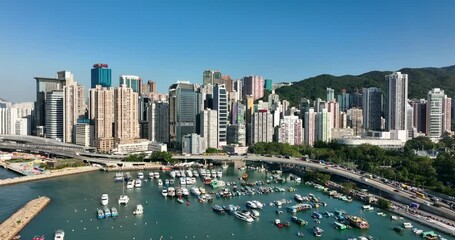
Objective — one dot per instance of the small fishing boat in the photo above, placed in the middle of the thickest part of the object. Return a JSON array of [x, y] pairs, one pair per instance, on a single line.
[[139, 210], [59, 235], [317, 231], [107, 212], [218, 209], [180, 200], [100, 214], [114, 212]]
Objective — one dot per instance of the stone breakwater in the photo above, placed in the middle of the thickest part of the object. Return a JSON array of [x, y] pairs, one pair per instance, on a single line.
[[51, 174], [14, 224]]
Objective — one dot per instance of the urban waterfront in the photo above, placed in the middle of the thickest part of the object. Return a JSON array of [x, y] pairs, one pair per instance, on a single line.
[[76, 198]]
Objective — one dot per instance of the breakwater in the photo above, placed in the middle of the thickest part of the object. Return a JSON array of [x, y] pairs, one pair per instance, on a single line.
[[14, 224]]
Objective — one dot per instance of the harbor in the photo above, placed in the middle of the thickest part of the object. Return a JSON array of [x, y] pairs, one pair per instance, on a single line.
[[14, 224], [75, 210]]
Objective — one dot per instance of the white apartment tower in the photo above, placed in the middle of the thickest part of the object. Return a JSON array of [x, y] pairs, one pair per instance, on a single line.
[[102, 114], [209, 128], [396, 101], [126, 123]]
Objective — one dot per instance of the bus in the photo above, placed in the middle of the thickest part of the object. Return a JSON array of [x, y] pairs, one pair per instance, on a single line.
[[420, 195]]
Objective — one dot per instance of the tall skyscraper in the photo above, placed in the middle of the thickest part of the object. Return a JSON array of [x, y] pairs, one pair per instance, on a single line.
[[102, 114], [211, 77], [126, 123], [184, 111], [262, 126], [420, 115], [249, 119], [435, 113], [254, 86], [333, 109], [344, 100], [323, 126], [290, 130], [54, 115], [268, 84], [209, 128], [330, 94], [73, 109], [101, 75], [310, 128], [220, 104], [158, 119], [396, 101], [355, 120], [447, 109], [131, 81], [372, 108], [149, 88]]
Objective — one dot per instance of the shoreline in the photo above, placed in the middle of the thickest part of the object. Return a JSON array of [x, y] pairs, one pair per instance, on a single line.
[[16, 222]]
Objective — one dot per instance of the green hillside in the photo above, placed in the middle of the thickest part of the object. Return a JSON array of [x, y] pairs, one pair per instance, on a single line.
[[421, 80]]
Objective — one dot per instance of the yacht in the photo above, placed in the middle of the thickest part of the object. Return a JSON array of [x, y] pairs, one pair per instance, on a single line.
[[160, 182], [124, 199], [195, 191], [298, 198], [317, 231], [171, 192], [140, 175], [164, 192], [130, 185], [59, 235], [243, 216], [114, 212], [183, 181], [258, 204], [407, 225], [139, 210], [185, 192], [138, 183], [104, 199], [251, 204], [156, 175]]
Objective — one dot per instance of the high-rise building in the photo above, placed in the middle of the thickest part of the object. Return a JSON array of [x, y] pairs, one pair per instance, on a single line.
[[290, 130], [323, 126], [334, 111], [73, 109], [211, 77], [131, 81], [8, 118], [54, 115], [149, 88], [372, 108], [310, 128], [84, 134], [435, 113], [220, 104], [228, 82], [396, 101], [254, 86], [236, 134], [319, 104], [355, 120], [249, 119], [209, 128], [193, 144], [262, 126], [268, 84], [344, 100], [102, 114], [101, 75], [447, 109], [330, 94], [126, 124], [238, 113], [420, 115], [238, 87], [158, 120], [184, 111]]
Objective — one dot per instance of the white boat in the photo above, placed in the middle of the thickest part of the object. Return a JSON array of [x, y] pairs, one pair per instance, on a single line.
[[104, 199], [225, 166], [394, 218], [251, 204], [124, 199], [417, 231], [138, 183], [171, 192], [151, 175], [140, 175], [219, 174], [183, 181], [164, 192], [367, 207], [202, 190], [258, 204], [172, 174], [185, 191], [189, 173], [160, 182], [298, 198], [139, 210], [59, 235], [130, 184], [195, 191], [156, 175], [407, 225], [243, 216]]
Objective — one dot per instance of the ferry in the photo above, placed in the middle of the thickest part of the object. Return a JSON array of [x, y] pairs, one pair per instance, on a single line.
[[114, 212], [358, 222], [317, 231], [59, 235], [139, 210], [104, 199], [243, 216], [100, 214]]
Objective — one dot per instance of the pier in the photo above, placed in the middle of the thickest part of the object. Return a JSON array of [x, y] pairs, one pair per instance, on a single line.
[[14, 224], [52, 174]]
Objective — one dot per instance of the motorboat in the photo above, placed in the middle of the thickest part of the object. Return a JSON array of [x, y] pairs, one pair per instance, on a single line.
[[280, 224], [59, 235], [124, 199], [100, 214], [160, 182], [140, 175], [219, 174], [202, 190], [298, 220], [171, 192], [156, 175], [180, 200], [251, 204], [255, 213], [189, 173], [104, 199], [183, 181], [243, 216], [107, 212], [164, 192], [114, 212], [138, 183], [394, 218], [417, 231], [298, 198], [118, 177], [258, 204], [130, 184], [317, 231], [38, 237], [127, 176], [407, 225], [166, 182], [139, 210], [151, 175], [339, 226], [231, 208], [218, 208], [185, 192], [367, 207], [195, 191], [316, 215]]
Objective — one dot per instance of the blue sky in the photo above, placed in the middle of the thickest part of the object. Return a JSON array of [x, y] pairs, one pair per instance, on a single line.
[[168, 40]]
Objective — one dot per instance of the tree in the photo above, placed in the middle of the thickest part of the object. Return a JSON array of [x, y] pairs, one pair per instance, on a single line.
[[213, 150], [384, 203], [161, 157], [135, 158]]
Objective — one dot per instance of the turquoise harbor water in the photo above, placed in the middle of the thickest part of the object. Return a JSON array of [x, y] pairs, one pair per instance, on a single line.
[[76, 198]]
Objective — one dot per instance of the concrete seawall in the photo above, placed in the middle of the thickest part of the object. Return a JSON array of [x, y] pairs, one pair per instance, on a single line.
[[52, 174], [128, 167], [14, 224]]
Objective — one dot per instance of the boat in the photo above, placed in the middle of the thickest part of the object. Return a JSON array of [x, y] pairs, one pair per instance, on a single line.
[[171, 192], [107, 212], [139, 210], [185, 192], [160, 182], [219, 174], [195, 191], [140, 175], [114, 212], [180, 200], [258, 204], [100, 214], [358, 222], [118, 177], [255, 213], [218, 209], [299, 221], [104, 199], [394, 218], [17, 237], [59, 235], [138, 183], [397, 229], [430, 235], [407, 225], [300, 234], [299, 207], [166, 182], [243, 216], [224, 166], [164, 192], [339, 226], [151, 175], [39, 238], [124, 199], [317, 231], [417, 231], [183, 181], [298, 197], [130, 185], [367, 207], [316, 215], [156, 175], [127, 176], [231, 208], [251, 204], [244, 176], [202, 190]]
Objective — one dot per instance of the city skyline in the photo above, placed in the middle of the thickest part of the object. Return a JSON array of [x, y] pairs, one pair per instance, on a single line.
[[167, 42]]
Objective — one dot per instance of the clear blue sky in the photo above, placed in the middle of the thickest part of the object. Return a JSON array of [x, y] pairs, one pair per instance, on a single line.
[[176, 40]]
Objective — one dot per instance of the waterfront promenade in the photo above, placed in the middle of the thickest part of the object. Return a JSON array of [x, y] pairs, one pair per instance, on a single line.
[[14, 224]]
